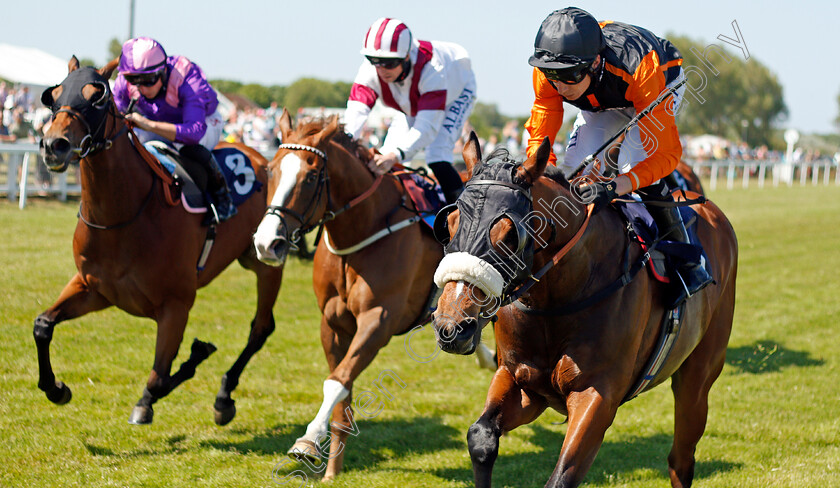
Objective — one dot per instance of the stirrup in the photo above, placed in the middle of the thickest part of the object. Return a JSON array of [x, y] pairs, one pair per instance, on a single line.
[[684, 291]]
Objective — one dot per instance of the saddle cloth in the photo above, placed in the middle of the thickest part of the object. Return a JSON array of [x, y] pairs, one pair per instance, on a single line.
[[425, 193], [236, 166]]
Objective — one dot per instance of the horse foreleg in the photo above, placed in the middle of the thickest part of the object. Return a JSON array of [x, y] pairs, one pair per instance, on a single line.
[[170, 333], [506, 408], [76, 299], [590, 414], [691, 385], [313, 447], [343, 424]]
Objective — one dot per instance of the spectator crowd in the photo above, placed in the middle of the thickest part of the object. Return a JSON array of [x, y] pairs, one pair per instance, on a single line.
[[22, 119]]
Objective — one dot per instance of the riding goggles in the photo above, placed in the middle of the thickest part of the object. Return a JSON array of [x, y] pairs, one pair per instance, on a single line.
[[142, 79], [569, 76], [387, 63]]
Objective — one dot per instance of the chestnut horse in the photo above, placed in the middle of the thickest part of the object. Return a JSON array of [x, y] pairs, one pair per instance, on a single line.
[[368, 289], [138, 251], [573, 342]]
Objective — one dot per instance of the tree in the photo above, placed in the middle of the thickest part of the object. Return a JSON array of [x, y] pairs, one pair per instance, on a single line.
[[837, 120], [114, 49], [486, 119], [311, 92], [744, 101]]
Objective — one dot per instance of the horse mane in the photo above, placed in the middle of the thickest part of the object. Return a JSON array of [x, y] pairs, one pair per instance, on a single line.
[[347, 141], [352, 145]]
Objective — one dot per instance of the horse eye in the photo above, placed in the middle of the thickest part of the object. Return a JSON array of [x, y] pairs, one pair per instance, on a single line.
[[508, 241], [311, 177]]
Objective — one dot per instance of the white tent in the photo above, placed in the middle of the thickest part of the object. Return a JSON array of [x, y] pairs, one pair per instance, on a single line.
[[30, 66]]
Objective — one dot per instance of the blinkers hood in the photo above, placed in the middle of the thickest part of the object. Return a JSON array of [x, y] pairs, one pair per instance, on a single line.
[[491, 194], [93, 112]]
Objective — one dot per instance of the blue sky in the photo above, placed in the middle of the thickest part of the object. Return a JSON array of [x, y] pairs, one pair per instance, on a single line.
[[277, 42]]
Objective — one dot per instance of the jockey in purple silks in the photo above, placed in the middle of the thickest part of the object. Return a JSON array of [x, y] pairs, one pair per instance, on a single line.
[[175, 103]]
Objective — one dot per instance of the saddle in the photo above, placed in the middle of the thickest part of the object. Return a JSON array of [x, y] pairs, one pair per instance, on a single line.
[[666, 255], [235, 165]]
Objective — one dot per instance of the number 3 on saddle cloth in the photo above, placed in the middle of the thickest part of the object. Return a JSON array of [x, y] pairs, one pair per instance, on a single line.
[[424, 192], [667, 255], [236, 166]]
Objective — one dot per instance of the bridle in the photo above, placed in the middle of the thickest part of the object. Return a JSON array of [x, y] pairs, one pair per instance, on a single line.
[[91, 143], [94, 140], [322, 188]]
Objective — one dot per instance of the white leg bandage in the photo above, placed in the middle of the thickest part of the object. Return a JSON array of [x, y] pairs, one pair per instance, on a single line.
[[334, 392]]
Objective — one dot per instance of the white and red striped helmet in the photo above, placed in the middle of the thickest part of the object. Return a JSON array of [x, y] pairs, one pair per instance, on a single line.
[[387, 38]]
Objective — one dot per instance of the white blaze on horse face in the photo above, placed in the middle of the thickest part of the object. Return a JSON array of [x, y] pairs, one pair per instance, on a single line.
[[289, 169], [266, 233]]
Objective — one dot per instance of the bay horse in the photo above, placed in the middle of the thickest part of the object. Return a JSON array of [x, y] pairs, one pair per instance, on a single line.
[[372, 269], [135, 249], [572, 342]]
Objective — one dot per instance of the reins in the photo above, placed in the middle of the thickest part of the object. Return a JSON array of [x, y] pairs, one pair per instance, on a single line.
[[159, 172], [534, 278]]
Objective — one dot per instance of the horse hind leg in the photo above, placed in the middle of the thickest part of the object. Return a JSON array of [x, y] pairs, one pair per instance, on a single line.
[[75, 300], [170, 333], [225, 406], [268, 287], [691, 385]]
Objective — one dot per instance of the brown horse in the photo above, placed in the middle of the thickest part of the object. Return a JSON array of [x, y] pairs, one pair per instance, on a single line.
[[368, 289], [573, 342], [135, 249]]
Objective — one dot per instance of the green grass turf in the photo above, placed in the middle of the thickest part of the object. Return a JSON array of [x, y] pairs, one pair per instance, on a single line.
[[773, 416]]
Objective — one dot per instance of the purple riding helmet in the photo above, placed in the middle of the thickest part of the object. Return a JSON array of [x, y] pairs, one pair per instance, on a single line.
[[143, 61]]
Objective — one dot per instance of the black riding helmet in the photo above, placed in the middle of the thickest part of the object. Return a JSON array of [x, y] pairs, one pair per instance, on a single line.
[[568, 39]]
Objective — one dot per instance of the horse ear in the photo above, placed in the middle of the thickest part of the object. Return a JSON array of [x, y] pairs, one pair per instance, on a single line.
[[472, 153], [535, 165], [328, 131], [107, 70], [285, 124], [73, 65]]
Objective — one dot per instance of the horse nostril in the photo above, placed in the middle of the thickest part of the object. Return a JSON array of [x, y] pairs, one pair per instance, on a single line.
[[59, 146], [279, 245]]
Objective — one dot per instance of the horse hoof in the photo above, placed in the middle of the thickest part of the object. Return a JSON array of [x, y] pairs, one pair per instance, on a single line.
[[141, 415], [225, 415], [305, 450], [328, 478], [61, 394]]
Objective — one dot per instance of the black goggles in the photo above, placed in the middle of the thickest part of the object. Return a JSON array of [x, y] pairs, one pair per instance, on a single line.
[[569, 76], [387, 63], [142, 79]]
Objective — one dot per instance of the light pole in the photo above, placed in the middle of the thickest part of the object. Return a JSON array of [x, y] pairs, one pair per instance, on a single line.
[[131, 19]]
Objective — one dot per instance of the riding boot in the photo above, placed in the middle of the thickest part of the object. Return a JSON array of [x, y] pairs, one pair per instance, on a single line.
[[225, 208], [449, 180], [693, 276]]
